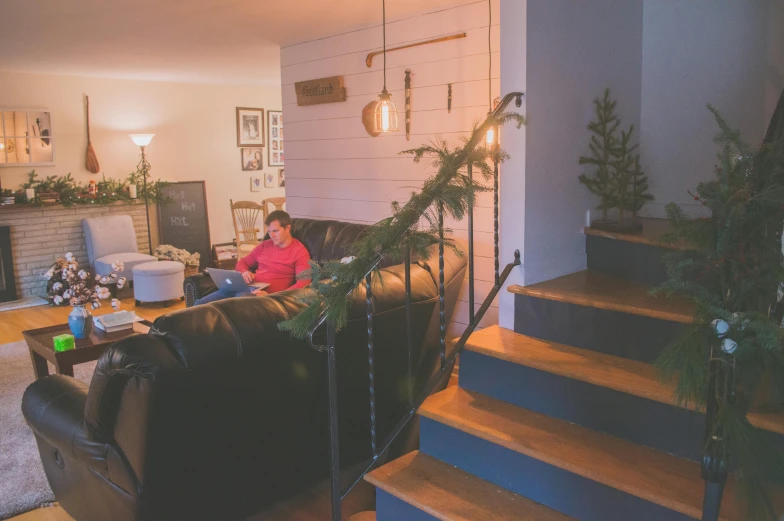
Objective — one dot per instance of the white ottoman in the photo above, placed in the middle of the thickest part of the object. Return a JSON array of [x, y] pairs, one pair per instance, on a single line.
[[158, 281]]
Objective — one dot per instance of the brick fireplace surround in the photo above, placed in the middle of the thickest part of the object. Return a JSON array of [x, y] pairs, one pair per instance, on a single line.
[[39, 235]]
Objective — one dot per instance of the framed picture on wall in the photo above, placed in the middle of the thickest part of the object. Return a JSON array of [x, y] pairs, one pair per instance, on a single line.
[[255, 183], [252, 159], [271, 180], [275, 134], [26, 138], [281, 178], [250, 127]]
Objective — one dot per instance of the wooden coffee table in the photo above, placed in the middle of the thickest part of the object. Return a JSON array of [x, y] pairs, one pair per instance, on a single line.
[[41, 346]]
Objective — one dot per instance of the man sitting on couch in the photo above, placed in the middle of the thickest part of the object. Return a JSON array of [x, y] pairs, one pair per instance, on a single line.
[[276, 261]]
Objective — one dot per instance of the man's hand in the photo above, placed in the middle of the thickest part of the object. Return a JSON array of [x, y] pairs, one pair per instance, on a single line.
[[259, 292], [247, 277]]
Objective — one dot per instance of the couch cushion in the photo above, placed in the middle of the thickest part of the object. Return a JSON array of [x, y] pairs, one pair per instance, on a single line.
[[103, 265], [107, 235]]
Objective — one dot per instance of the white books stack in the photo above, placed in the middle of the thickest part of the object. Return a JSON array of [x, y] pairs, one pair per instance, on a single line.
[[116, 321]]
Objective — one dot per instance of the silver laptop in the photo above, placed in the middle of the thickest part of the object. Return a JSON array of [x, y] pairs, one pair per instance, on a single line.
[[232, 280]]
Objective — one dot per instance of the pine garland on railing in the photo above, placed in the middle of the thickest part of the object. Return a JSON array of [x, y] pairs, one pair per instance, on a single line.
[[734, 274], [451, 188]]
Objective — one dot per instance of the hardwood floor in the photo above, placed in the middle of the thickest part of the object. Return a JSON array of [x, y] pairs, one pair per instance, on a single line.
[[12, 323], [54, 513], [311, 505]]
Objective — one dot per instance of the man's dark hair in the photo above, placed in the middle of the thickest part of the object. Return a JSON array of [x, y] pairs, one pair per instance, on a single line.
[[282, 217]]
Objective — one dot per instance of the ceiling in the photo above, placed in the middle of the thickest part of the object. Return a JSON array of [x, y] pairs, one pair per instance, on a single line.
[[201, 41]]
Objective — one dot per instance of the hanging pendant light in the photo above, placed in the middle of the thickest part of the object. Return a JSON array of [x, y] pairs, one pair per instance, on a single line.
[[385, 113]]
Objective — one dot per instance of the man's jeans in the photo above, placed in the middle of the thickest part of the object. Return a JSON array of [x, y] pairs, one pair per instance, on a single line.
[[220, 295]]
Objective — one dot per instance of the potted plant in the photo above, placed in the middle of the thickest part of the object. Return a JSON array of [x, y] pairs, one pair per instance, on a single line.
[[618, 179], [730, 360], [190, 260], [7, 196]]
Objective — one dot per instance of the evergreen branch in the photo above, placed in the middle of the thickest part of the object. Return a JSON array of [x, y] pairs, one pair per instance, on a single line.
[[450, 189]]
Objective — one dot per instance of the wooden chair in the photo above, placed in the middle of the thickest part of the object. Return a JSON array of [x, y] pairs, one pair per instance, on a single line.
[[277, 202], [245, 215]]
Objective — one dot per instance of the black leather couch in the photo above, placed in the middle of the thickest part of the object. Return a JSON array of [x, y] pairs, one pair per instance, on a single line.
[[216, 413]]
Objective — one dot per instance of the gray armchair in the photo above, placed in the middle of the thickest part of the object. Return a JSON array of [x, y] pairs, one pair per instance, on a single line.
[[111, 239]]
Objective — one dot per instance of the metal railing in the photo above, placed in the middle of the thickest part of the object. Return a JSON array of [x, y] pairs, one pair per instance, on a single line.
[[446, 360]]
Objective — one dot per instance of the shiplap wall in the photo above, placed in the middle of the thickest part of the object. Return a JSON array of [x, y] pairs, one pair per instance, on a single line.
[[335, 170]]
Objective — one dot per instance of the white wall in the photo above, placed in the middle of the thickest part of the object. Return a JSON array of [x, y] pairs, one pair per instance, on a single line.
[[729, 54], [774, 77], [335, 170], [514, 45], [194, 126], [572, 52]]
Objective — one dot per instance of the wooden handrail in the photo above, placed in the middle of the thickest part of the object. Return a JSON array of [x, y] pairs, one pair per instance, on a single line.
[[369, 59]]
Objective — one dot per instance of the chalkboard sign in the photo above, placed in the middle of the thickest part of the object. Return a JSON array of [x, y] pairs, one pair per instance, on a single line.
[[183, 221]]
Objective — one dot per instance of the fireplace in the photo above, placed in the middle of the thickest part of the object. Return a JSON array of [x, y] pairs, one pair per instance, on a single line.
[[7, 281]]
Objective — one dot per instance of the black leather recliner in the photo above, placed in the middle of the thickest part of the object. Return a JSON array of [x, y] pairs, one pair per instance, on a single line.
[[216, 413]]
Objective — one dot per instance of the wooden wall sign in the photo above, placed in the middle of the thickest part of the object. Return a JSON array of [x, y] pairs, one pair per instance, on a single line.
[[324, 90]]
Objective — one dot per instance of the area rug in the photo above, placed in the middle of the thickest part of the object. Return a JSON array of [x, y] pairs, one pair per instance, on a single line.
[[23, 485]]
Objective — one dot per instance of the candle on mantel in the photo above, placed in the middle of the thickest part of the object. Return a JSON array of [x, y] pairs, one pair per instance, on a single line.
[[30, 193], [132, 191]]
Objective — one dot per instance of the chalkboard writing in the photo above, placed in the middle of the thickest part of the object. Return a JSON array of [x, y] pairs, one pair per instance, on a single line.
[[183, 221]]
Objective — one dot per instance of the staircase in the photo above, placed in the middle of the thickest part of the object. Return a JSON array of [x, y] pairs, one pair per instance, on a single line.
[[565, 418]]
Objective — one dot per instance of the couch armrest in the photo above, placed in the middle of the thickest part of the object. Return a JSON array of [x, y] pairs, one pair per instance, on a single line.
[[196, 287], [54, 409]]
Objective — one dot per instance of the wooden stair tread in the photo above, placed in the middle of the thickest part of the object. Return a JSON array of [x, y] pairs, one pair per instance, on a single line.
[[652, 230], [655, 476], [363, 516], [621, 374], [589, 288], [450, 494]]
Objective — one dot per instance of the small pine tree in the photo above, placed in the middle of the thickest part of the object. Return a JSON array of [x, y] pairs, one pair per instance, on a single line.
[[640, 194], [604, 150], [619, 180]]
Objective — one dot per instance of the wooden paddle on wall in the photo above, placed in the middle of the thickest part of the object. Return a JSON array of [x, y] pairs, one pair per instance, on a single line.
[[91, 159]]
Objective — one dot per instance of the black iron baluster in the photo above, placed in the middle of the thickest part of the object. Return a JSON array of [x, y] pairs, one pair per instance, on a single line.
[[409, 326], [371, 362], [441, 302], [714, 465], [334, 441], [471, 310], [495, 206]]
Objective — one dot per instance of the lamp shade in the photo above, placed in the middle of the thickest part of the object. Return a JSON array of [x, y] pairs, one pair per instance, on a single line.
[[385, 114], [141, 140]]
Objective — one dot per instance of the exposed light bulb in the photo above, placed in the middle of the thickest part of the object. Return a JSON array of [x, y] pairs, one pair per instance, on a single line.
[[2, 145], [490, 137], [385, 116]]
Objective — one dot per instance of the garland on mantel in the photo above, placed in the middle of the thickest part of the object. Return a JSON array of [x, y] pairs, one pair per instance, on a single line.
[[70, 192]]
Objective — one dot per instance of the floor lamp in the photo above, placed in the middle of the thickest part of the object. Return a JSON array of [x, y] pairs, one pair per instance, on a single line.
[[142, 140]]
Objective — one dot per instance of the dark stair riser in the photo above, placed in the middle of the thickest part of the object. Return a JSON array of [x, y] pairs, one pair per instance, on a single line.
[[616, 333], [391, 508], [644, 422], [626, 260], [559, 489]]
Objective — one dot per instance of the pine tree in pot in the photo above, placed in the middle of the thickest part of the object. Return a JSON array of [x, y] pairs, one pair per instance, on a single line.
[[618, 181], [734, 275]]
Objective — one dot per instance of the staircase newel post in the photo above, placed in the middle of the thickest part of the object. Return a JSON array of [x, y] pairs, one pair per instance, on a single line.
[[714, 461]]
